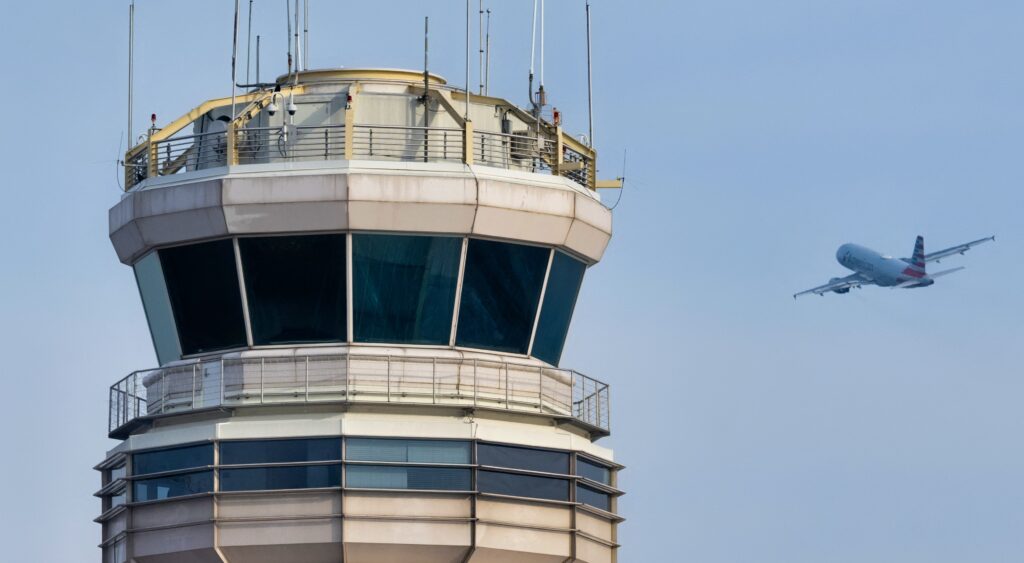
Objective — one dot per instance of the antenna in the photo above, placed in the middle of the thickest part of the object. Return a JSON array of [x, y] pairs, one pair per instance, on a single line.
[[590, 83], [288, 38], [298, 46], [305, 34], [248, 45], [487, 63], [426, 62], [131, 66], [480, 43], [257, 59], [541, 98], [533, 45], [467, 59], [234, 53]]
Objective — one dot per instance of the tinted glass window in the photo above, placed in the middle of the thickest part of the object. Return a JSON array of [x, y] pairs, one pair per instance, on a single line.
[[203, 286], [593, 497], [559, 301], [522, 485], [397, 477], [157, 304], [403, 288], [173, 459], [500, 292], [523, 458], [173, 486], [414, 451], [280, 451], [295, 287], [593, 471], [288, 477]]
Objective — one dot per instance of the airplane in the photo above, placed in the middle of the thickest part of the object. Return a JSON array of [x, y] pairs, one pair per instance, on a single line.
[[873, 268]]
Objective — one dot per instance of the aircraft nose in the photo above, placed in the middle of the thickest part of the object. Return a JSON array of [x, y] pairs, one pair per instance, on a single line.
[[841, 251]]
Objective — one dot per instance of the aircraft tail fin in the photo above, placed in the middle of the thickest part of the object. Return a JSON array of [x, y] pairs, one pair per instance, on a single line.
[[917, 259]]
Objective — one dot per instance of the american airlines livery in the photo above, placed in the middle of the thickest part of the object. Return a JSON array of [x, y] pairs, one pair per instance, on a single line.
[[873, 268]]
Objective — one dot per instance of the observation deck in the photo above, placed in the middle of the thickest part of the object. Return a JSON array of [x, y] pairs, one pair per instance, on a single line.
[[333, 379]]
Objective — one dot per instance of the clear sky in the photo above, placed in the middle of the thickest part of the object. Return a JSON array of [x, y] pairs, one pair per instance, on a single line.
[[880, 426]]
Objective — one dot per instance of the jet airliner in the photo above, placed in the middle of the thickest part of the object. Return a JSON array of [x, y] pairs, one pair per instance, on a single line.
[[873, 268]]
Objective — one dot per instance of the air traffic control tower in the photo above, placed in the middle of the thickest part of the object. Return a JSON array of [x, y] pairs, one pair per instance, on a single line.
[[358, 299]]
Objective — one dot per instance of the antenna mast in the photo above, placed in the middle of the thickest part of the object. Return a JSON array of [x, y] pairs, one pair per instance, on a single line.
[[288, 38], [131, 68], [298, 46], [305, 34], [248, 46], [487, 62], [234, 53], [467, 59], [257, 59], [533, 45], [480, 43], [590, 83]]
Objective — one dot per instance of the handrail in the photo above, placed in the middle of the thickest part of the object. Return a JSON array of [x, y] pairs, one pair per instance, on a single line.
[[358, 378], [549, 148]]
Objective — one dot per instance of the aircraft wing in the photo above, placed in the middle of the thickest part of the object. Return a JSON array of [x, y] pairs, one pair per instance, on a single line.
[[849, 282], [958, 249]]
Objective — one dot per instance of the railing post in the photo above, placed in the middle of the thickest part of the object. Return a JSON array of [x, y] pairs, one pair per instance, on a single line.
[[232, 143], [559, 151], [163, 392], [389, 378], [307, 379], [152, 164], [433, 380], [193, 386], [475, 381], [348, 370], [327, 144], [467, 142], [263, 363], [508, 405], [350, 122]]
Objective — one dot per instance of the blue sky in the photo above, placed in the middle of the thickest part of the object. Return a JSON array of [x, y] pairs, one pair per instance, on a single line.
[[877, 426]]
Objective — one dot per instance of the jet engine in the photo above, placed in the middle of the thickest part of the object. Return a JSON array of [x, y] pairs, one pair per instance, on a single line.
[[840, 291]]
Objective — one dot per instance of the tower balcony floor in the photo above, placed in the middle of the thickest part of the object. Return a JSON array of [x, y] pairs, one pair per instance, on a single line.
[[328, 377]]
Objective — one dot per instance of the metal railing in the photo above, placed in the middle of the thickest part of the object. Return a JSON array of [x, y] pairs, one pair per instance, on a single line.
[[422, 144], [253, 145], [352, 378], [290, 143]]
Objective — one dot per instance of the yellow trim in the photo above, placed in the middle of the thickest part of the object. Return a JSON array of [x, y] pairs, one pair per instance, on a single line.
[[608, 184], [361, 74]]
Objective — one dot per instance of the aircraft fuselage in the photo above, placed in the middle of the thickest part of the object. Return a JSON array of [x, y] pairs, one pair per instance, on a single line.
[[886, 271]]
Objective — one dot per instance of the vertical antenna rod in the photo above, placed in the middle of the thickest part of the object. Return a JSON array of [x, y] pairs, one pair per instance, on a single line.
[[480, 43], [131, 68], [248, 46], [298, 46], [541, 96], [305, 34], [288, 38], [487, 62], [257, 59], [426, 63], [234, 54], [533, 46], [590, 83], [467, 58]]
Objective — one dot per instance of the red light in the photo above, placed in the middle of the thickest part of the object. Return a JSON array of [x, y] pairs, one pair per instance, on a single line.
[[152, 118], [557, 116]]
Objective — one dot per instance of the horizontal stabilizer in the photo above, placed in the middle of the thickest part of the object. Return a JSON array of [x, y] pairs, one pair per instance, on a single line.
[[944, 272]]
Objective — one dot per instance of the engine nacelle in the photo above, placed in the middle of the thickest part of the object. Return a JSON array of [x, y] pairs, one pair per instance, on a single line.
[[840, 291]]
